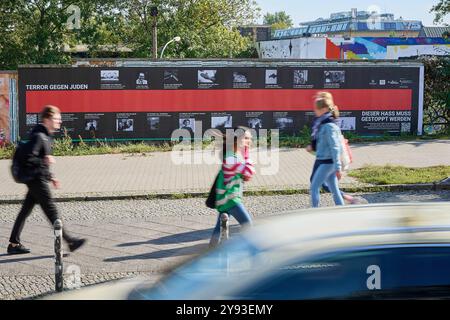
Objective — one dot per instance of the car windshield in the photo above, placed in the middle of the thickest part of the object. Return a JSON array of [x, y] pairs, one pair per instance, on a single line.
[[238, 258]]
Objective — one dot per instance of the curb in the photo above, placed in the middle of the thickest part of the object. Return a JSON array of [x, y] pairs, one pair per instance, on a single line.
[[261, 192]]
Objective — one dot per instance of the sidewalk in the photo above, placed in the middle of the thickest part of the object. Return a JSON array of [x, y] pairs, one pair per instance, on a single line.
[[155, 173]]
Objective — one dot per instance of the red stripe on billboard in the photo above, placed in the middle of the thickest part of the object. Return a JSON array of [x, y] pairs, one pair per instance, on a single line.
[[214, 100]]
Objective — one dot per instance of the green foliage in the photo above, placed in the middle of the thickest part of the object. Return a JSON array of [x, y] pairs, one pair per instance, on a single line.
[[437, 94], [301, 140], [6, 152], [382, 175], [35, 31], [441, 9], [278, 20]]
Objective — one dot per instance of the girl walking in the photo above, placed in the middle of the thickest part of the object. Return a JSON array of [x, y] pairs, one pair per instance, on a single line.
[[236, 168]]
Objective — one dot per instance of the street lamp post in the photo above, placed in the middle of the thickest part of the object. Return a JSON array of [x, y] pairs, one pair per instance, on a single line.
[[176, 39], [154, 14]]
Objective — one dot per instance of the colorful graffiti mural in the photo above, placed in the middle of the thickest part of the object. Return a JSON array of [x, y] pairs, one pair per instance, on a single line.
[[5, 107], [353, 48]]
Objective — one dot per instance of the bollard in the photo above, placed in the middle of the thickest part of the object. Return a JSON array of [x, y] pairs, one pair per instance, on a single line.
[[59, 279], [224, 230], [224, 236]]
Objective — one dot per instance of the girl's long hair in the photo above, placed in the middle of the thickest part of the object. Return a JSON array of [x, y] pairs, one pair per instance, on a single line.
[[230, 141]]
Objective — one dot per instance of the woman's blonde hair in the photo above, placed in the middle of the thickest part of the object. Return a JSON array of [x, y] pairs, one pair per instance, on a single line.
[[325, 100]]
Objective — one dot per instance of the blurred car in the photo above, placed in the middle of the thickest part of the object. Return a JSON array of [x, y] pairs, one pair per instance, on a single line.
[[383, 251]]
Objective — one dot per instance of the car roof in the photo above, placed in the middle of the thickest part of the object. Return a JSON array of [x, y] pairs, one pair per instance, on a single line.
[[355, 226]]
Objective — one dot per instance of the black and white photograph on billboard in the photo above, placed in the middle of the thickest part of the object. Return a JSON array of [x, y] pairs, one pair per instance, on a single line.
[[271, 76], [255, 123], [188, 124], [222, 122], [153, 123], [300, 76], [32, 119], [207, 76], [347, 123], [141, 79], [284, 123], [334, 77], [109, 75], [240, 77], [171, 76], [124, 125], [91, 125]]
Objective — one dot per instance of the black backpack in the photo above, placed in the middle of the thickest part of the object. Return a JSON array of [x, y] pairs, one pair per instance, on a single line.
[[211, 200], [18, 166]]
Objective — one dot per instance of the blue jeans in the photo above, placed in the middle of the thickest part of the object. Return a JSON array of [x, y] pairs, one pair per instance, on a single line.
[[324, 185], [325, 173], [239, 213]]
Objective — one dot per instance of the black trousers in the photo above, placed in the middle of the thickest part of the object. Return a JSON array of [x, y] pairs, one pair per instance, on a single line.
[[38, 193]]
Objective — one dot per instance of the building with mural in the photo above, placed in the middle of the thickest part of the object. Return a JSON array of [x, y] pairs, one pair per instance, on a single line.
[[355, 48], [8, 99], [357, 35]]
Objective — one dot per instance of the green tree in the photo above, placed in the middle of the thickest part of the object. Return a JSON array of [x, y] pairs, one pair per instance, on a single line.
[[278, 20], [437, 93], [208, 28], [36, 31], [441, 10]]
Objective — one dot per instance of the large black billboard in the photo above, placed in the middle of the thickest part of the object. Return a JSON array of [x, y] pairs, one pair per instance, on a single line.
[[149, 102]]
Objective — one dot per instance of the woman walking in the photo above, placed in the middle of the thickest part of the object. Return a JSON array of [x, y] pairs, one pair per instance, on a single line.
[[236, 168], [326, 141]]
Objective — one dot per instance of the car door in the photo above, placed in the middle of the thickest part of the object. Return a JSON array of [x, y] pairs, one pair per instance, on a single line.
[[394, 272]]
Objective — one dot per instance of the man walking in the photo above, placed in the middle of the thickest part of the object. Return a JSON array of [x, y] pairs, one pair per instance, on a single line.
[[37, 170]]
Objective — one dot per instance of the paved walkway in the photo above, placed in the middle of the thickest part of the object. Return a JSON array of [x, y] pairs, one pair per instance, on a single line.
[[109, 175]]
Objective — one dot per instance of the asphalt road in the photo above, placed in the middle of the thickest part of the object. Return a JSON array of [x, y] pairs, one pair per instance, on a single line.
[[161, 223]]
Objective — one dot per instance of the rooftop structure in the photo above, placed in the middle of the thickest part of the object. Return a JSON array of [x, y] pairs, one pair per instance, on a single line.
[[354, 23]]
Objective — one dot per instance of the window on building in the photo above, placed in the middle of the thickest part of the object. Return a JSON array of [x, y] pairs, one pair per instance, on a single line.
[[390, 26]]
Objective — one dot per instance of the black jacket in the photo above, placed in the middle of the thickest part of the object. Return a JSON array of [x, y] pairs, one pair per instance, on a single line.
[[39, 146]]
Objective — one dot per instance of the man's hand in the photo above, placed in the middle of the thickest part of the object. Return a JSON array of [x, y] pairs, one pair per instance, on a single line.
[[339, 175], [56, 184], [309, 148], [49, 160]]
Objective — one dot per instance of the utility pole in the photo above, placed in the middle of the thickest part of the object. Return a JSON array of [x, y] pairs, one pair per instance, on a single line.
[[154, 14]]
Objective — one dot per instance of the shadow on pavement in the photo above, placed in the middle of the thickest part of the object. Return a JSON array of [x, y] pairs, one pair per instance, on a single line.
[[195, 249], [190, 236], [22, 259]]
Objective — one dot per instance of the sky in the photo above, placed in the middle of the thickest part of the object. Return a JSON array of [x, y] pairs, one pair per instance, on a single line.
[[309, 10]]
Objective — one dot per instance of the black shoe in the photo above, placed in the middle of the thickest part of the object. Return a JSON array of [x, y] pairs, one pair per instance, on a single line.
[[76, 244], [20, 249]]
